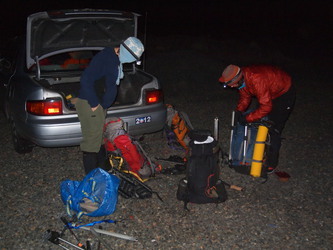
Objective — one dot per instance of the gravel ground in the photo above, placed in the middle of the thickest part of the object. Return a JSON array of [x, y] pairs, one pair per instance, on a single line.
[[276, 215]]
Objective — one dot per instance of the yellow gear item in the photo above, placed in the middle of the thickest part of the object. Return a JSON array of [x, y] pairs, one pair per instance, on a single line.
[[258, 153], [120, 160]]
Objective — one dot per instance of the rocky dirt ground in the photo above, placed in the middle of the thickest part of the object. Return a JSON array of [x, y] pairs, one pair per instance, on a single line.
[[276, 215]]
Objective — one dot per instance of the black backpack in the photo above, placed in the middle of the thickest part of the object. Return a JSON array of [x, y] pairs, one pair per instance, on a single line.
[[202, 183]]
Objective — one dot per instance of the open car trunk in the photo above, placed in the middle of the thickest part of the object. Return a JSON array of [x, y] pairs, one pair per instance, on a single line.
[[129, 89], [54, 31]]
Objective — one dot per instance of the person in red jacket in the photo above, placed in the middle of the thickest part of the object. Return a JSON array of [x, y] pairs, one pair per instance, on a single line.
[[275, 93]]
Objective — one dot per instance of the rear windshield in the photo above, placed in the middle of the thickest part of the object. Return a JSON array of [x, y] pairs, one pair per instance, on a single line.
[[71, 61], [76, 60]]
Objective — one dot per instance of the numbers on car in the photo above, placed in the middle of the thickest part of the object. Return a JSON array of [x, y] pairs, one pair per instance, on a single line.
[[141, 120]]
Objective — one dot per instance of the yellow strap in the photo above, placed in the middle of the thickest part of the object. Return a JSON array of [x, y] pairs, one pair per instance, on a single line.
[[121, 161], [135, 174]]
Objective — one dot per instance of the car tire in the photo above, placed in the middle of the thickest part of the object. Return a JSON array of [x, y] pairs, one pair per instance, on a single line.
[[21, 145]]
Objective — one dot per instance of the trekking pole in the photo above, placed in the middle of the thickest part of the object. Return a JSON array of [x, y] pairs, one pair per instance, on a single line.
[[231, 133], [54, 237], [216, 128], [245, 143]]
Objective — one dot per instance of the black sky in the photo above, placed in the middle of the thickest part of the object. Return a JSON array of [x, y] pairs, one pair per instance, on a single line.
[[308, 23]]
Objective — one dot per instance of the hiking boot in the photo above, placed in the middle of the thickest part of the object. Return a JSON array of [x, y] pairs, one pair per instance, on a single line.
[[89, 161], [102, 161]]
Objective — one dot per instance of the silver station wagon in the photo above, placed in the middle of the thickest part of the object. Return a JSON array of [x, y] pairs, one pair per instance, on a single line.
[[42, 77]]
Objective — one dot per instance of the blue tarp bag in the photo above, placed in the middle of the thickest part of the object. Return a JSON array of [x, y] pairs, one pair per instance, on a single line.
[[96, 195]]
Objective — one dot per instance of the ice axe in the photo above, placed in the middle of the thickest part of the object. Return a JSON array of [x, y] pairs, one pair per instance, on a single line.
[[93, 231], [117, 235]]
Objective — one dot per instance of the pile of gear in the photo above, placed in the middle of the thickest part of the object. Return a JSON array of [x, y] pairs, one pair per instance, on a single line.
[[128, 167]]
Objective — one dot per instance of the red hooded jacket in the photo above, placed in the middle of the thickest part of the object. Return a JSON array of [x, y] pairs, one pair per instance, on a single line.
[[265, 83]]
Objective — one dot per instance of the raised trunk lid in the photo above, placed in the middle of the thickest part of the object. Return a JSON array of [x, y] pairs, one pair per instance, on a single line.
[[51, 32]]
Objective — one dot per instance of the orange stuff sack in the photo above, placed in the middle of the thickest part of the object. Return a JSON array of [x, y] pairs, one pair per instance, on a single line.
[[178, 126], [180, 129]]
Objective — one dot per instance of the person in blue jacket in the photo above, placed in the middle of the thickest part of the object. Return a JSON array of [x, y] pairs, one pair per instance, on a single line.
[[98, 90]]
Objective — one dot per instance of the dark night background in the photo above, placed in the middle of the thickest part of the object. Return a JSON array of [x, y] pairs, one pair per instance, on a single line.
[[299, 28], [188, 44]]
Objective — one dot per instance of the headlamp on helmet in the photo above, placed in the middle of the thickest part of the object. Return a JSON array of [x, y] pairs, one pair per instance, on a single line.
[[231, 75]]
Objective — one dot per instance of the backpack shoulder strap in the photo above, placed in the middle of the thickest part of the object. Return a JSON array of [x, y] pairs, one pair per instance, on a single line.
[[151, 164], [186, 118]]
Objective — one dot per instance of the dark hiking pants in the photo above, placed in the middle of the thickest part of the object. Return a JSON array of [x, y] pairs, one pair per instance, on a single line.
[[282, 108]]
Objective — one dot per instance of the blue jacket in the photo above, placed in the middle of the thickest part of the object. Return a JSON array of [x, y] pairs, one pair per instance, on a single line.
[[98, 81]]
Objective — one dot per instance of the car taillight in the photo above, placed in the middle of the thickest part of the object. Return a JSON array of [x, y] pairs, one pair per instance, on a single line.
[[154, 96], [46, 107]]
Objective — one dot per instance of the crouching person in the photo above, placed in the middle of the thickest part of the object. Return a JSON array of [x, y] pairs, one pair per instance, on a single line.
[[275, 94], [98, 90]]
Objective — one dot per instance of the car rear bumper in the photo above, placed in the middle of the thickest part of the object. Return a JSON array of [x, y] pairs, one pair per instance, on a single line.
[[157, 113], [65, 130]]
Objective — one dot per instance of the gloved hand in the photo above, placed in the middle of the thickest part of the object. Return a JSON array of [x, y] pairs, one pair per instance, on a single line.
[[240, 118], [267, 123], [237, 115]]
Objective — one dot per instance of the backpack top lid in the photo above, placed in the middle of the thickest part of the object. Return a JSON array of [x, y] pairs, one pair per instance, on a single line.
[[208, 140], [113, 127], [201, 137], [202, 142]]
